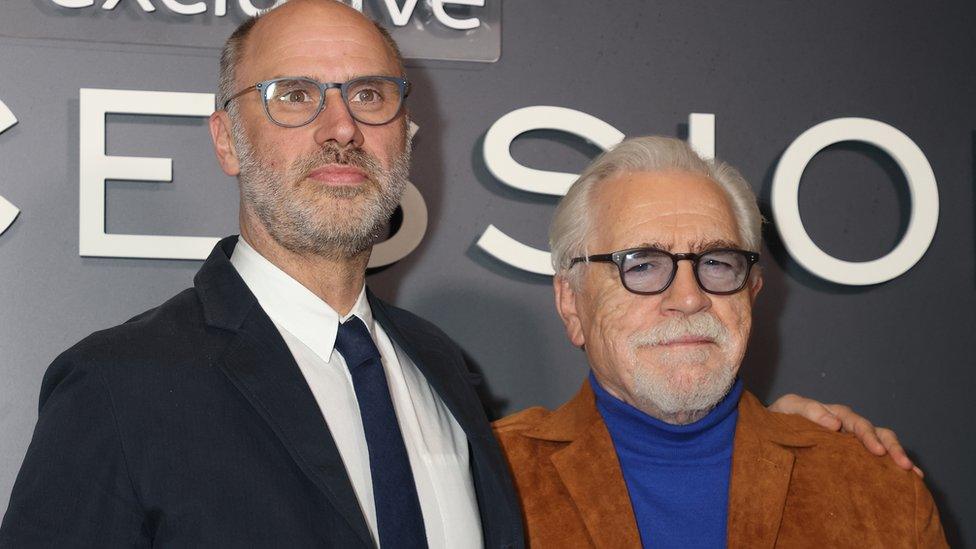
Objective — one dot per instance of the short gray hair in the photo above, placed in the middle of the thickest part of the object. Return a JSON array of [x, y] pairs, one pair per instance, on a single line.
[[571, 225], [230, 55]]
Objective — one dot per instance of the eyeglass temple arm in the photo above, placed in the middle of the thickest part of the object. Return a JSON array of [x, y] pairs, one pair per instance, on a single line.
[[240, 93]]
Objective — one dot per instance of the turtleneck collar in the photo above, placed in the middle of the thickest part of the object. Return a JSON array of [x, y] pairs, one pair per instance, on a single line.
[[637, 433]]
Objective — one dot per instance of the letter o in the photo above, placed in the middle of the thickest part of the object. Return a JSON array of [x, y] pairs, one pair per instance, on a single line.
[[922, 187]]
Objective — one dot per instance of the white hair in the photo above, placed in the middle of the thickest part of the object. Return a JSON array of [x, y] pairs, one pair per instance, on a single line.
[[571, 225]]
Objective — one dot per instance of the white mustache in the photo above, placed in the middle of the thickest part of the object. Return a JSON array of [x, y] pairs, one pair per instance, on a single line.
[[701, 325]]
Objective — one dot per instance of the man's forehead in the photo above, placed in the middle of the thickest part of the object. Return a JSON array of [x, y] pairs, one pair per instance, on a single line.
[[316, 37], [679, 211]]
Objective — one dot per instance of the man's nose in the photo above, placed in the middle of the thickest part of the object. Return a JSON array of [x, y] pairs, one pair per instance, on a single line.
[[684, 295], [335, 123]]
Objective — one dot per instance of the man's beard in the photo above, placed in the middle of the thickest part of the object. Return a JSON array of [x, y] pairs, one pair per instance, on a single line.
[[680, 387], [292, 208]]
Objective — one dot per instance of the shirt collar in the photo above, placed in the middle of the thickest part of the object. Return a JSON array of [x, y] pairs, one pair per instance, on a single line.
[[292, 306]]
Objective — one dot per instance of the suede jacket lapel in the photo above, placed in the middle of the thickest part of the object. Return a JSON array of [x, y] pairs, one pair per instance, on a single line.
[[257, 361], [762, 465], [589, 470]]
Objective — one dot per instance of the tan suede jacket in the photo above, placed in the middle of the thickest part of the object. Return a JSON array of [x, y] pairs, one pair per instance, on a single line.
[[793, 484]]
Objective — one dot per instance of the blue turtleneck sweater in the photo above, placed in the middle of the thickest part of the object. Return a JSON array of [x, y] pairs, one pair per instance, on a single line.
[[677, 475]]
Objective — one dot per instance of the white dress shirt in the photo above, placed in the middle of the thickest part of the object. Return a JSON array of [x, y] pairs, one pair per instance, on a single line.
[[436, 444]]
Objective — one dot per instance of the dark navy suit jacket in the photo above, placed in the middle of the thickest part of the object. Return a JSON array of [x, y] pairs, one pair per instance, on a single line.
[[192, 425]]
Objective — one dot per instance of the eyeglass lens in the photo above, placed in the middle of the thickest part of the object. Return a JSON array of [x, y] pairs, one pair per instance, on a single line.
[[650, 271], [369, 100]]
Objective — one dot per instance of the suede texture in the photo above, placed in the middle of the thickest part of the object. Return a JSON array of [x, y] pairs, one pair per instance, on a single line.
[[794, 484]]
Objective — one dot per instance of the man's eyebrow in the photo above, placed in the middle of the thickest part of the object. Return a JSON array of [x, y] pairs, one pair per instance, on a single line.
[[705, 245], [656, 244], [698, 246], [278, 76]]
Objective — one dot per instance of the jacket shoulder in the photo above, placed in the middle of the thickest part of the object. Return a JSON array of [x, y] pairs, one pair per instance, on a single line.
[[171, 333], [873, 502], [418, 333], [808, 440], [169, 323], [527, 453], [406, 320]]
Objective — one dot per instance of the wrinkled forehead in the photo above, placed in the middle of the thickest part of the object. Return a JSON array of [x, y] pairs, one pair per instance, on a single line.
[[674, 210]]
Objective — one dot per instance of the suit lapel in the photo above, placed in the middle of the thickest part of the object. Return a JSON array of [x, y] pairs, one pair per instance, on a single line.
[[258, 363], [443, 368], [761, 470], [440, 368]]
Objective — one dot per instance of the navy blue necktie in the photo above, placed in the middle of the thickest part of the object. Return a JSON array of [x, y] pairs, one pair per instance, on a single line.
[[398, 517]]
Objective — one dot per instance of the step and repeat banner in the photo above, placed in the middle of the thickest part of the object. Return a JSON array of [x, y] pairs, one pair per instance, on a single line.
[[854, 122]]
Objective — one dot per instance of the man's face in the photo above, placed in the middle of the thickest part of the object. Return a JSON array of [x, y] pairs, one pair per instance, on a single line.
[[329, 186], [674, 354]]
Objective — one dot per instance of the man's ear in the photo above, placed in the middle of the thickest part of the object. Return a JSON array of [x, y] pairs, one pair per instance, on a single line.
[[756, 283], [566, 306], [223, 143]]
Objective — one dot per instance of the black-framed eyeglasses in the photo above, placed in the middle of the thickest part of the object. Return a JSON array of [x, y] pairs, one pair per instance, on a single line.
[[292, 102], [649, 271]]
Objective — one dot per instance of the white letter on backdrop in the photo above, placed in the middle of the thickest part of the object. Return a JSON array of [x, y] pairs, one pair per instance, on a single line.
[[146, 5], [452, 22], [701, 134], [74, 3], [94, 167], [8, 212], [400, 17], [498, 159], [411, 232], [922, 189], [195, 8], [248, 8]]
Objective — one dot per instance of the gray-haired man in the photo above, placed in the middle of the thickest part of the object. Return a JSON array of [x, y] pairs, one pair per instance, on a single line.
[[655, 251]]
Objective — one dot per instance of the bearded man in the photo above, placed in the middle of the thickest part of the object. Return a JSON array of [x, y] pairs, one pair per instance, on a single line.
[[656, 254], [278, 402]]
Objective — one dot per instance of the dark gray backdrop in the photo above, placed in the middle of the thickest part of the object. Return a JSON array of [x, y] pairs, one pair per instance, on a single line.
[[900, 352]]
